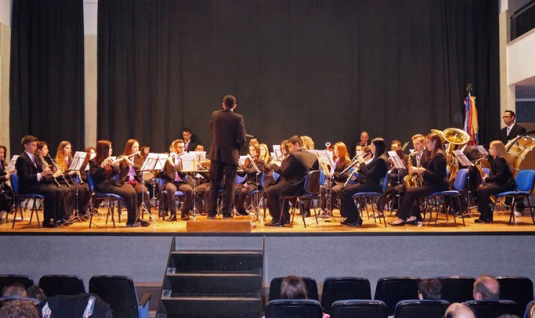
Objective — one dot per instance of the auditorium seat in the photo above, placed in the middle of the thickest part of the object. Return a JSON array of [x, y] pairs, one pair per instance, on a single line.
[[421, 308], [6, 280], [517, 289], [54, 285], [391, 290], [457, 289], [359, 308], [119, 292], [492, 308], [342, 288], [294, 308]]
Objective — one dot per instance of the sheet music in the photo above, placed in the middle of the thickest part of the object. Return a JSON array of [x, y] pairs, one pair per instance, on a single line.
[[189, 162], [12, 162], [154, 162], [77, 161], [398, 163], [277, 151], [482, 150], [463, 160], [242, 160], [200, 155]]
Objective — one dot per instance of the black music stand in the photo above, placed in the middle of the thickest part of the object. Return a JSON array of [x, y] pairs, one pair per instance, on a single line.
[[398, 164], [75, 166], [153, 162]]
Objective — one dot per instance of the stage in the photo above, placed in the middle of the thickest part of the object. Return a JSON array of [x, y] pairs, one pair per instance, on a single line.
[[331, 226]]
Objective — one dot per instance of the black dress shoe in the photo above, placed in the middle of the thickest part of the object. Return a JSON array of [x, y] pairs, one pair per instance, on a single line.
[[227, 216], [413, 222], [243, 212], [273, 224], [184, 217], [172, 218], [353, 222], [481, 221], [211, 217], [48, 225], [143, 223]]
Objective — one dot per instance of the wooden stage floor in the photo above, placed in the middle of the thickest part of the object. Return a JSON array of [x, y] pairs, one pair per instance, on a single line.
[[500, 225]]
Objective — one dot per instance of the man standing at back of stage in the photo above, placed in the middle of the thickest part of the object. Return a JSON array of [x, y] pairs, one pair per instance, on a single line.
[[228, 137], [512, 129]]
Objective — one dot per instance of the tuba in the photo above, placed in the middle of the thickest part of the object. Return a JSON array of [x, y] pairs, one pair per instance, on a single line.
[[456, 139]]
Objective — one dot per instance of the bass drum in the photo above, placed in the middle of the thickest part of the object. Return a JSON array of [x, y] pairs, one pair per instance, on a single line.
[[522, 154]]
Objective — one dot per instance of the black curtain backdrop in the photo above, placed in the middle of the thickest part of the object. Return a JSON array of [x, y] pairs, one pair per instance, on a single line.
[[47, 72], [327, 69]]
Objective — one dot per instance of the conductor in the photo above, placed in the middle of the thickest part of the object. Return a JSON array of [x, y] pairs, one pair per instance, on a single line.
[[228, 137]]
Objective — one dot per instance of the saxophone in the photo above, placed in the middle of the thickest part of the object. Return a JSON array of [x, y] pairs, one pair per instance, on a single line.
[[413, 180]]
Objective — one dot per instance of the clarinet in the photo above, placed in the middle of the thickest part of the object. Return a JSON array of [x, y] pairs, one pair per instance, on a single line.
[[45, 165], [57, 167]]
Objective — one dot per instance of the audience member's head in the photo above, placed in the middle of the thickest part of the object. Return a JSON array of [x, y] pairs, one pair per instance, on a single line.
[[486, 288], [15, 289], [430, 288], [508, 316], [36, 292], [19, 309], [293, 287], [457, 310]]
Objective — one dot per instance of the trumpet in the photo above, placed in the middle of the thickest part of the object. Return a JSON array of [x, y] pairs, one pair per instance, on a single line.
[[59, 169]]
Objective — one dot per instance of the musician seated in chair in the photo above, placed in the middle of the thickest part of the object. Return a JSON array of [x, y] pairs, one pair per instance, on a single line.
[[293, 173], [103, 171], [371, 174], [338, 178], [176, 180], [34, 176], [6, 192], [252, 178], [500, 180], [434, 180]]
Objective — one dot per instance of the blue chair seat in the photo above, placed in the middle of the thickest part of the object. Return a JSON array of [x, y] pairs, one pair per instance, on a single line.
[[435, 194], [179, 194], [32, 196], [451, 192], [366, 194], [108, 195], [513, 193]]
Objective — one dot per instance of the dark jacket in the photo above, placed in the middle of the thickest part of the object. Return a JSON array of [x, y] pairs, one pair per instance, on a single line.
[[374, 171], [251, 174], [27, 173], [125, 169], [436, 174], [515, 132], [168, 173], [339, 177], [500, 173], [100, 177], [228, 136]]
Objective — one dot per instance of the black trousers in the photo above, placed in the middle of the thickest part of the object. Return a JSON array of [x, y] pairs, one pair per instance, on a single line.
[[241, 193], [171, 188], [348, 209], [142, 193], [202, 196], [218, 170], [483, 197], [6, 199], [129, 196], [274, 194], [55, 200], [390, 194]]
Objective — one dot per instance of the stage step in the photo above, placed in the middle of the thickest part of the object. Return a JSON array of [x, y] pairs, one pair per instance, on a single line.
[[185, 307], [212, 283], [216, 261]]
